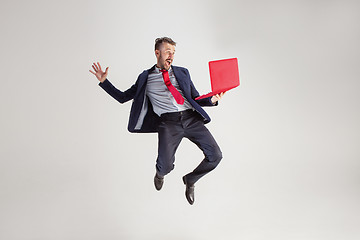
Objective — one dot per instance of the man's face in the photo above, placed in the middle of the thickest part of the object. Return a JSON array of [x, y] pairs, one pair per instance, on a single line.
[[165, 55]]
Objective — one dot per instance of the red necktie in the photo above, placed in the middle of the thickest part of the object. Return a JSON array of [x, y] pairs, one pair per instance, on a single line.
[[179, 99]]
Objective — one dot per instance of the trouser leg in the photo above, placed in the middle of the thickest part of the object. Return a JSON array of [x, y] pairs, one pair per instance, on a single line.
[[169, 138], [196, 132]]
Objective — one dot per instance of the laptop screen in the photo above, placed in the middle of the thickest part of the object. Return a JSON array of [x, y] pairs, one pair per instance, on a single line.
[[224, 74]]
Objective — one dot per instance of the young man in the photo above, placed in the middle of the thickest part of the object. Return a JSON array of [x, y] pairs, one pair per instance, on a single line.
[[164, 102]]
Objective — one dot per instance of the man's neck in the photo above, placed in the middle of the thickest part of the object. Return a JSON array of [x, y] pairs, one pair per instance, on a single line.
[[157, 65]]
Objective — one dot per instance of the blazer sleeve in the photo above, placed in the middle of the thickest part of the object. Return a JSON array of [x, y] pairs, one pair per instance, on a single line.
[[118, 95]]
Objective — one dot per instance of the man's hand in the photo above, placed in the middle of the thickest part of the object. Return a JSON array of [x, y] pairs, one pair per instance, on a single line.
[[100, 75], [217, 97]]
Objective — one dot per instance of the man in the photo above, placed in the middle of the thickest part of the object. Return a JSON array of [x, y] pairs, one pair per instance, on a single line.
[[164, 102]]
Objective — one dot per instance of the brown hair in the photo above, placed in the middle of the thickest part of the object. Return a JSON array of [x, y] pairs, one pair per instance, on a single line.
[[159, 41]]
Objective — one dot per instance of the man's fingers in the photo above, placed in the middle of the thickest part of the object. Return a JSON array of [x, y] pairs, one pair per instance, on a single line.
[[218, 96], [98, 70]]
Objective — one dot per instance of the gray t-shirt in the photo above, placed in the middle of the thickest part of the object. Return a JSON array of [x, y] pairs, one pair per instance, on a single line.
[[160, 97]]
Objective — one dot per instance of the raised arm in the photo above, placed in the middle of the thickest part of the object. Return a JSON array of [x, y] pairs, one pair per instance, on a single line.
[[105, 84]]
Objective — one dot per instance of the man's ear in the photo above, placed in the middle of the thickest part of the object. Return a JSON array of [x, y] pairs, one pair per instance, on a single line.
[[157, 52]]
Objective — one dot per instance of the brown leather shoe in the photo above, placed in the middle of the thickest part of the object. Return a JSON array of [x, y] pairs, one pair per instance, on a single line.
[[158, 181], [189, 192]]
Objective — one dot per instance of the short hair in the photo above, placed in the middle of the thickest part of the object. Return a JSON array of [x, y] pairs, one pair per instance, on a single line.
[[159, 41]]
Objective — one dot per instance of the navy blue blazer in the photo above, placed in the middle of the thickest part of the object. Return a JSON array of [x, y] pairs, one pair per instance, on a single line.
[[142, 117]]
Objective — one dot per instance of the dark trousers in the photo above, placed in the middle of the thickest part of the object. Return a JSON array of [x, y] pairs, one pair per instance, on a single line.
[[189, 124]]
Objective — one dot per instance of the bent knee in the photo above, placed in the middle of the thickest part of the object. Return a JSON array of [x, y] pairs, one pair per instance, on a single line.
[[216, 156]]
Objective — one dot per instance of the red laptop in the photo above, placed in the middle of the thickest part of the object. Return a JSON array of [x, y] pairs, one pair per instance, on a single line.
[[224, 75]]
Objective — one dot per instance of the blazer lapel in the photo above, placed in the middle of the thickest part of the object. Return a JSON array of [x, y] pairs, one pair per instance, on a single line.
[[144, 78]]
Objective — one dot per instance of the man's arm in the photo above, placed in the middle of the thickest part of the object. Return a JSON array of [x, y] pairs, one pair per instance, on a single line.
[[118, 95], [111, 89]]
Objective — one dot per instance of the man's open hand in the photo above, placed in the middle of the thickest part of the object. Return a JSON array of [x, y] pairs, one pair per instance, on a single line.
[[100, 75]]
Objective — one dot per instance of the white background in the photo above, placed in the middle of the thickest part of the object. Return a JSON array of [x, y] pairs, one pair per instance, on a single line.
[[69, 169]]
